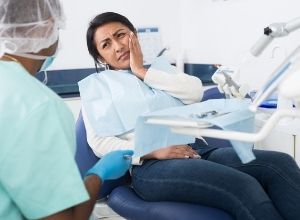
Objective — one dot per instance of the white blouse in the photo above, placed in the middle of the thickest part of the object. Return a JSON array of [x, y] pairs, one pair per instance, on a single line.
[[185, 87]]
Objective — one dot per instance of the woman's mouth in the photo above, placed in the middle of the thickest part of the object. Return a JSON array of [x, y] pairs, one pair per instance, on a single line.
[[124, 56]]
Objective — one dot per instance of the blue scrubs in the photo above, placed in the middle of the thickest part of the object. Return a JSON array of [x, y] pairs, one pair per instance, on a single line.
[[38, 174]]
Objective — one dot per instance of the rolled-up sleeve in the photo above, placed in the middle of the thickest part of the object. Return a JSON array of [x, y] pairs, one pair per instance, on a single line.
[[185, 87]]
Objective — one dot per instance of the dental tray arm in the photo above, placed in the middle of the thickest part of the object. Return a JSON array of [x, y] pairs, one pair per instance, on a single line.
[[283, 72], [273, 31], [239, 136]]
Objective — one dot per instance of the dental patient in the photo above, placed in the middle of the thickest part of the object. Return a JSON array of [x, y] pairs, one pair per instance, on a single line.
[[266, 188]]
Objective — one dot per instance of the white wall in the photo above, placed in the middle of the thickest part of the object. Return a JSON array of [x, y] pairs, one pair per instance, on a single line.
[[224, 31], [201, 31], [74, 54]]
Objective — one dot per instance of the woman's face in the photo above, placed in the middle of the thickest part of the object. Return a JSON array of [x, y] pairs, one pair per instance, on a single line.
[[112, 42]]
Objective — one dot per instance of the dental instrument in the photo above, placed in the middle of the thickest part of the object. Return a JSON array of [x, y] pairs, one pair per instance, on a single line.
[[162, 51], [227, 81], [274, 30]]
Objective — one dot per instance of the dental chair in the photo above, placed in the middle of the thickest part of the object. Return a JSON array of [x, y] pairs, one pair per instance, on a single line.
[[125, 202]]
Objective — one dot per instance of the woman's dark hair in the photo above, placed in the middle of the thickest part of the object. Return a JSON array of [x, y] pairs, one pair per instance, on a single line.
[[101, 20]]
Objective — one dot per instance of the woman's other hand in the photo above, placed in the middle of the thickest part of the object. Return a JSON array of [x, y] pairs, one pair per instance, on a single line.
[[173, 152], [136, 57]]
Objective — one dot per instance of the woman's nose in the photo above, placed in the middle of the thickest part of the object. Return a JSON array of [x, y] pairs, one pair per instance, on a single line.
[[118, 46]]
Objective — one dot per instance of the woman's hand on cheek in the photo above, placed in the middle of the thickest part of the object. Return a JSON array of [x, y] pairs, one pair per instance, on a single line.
[[173, 152], [136, 57]]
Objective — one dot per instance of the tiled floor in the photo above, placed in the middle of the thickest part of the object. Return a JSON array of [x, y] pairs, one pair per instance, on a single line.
[[109, 218], [102, 211], [115, 218]]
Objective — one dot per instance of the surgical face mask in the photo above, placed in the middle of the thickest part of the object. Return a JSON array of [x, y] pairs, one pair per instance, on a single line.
[[48, 59], [47, 63]]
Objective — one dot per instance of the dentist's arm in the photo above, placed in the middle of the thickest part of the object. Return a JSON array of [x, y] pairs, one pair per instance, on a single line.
[[111, 166]]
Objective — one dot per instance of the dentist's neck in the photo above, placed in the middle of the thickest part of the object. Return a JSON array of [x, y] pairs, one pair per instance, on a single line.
[[30, 65]]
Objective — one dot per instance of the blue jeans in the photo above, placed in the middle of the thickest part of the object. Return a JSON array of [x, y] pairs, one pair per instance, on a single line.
[[267, 188]]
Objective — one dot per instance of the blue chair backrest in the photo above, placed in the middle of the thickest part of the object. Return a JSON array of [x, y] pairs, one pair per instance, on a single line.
[[85, 159], [212, 93]]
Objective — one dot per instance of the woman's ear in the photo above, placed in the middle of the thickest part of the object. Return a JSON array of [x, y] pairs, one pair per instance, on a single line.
[[101, 60], [103, 63]]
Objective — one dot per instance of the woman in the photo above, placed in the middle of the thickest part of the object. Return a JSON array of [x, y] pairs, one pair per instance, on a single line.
[[267, 188]]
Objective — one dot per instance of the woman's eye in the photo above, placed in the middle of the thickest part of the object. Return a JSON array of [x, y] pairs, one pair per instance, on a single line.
[[121, 35], [104, 45]]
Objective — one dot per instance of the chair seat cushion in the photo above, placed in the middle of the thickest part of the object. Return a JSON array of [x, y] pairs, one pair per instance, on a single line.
[[125, 202]]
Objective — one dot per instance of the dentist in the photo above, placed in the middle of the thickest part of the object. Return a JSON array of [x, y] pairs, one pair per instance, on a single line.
[[38, 174]]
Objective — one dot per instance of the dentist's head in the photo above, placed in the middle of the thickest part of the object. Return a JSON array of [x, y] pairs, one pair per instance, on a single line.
[[29, 29]]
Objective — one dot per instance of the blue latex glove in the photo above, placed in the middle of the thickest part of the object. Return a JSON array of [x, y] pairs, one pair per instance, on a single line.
[[112, 165]]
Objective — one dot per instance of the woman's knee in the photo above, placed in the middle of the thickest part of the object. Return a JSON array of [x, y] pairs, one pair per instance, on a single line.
[[276, 159]]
